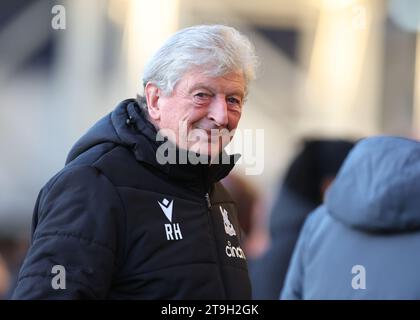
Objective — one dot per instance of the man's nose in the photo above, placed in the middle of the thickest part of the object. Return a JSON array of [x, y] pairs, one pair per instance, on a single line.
[[218, 111]]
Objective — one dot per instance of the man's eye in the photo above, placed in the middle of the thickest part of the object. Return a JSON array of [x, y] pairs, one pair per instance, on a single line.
[[202, 95], [234, 101], [201, 98]]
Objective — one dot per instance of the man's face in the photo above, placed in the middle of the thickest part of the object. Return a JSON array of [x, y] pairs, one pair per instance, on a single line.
[[201, 111]]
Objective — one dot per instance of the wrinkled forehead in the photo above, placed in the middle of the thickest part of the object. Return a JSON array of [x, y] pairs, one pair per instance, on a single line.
[[196, 78]]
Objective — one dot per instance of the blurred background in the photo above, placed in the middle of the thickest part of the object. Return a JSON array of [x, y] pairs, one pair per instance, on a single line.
[[329, 69]]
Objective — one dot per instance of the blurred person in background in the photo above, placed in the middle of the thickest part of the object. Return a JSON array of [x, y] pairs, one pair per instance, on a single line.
[[12, 252], [302, 190], [363, 242], [4, 278], [118, 222]]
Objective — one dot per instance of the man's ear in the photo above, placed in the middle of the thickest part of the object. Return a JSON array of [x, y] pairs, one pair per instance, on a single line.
[[152, 93]]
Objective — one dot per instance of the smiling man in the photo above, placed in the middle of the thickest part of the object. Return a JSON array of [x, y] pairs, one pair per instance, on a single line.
[[121, 220], [208, 110]]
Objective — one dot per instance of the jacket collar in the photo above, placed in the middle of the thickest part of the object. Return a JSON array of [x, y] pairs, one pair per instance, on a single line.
[[139, 134]]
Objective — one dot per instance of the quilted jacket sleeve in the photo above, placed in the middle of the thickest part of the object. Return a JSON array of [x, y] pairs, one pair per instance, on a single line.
[[77, 225]]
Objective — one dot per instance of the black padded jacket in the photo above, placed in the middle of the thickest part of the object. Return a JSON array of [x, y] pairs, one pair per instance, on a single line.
[[122, 226]]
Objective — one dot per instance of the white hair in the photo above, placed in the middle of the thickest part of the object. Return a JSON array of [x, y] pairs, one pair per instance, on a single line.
[[217, 49]]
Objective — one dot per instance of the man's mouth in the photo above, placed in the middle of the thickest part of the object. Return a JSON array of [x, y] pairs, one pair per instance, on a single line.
[[216, 132]]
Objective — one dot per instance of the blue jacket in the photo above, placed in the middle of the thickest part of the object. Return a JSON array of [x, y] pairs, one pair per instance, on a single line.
[[364, 241]]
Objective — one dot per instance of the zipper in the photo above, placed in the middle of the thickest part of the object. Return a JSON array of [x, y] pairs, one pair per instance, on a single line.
[[208, 200], [212, 228]]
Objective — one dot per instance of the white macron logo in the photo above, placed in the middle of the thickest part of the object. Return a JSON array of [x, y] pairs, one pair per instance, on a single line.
[[228, 226], [173, 231], [167, 208]]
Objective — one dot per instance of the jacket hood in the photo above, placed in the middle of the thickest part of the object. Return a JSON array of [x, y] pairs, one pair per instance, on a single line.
[[127, 126], [113, 128], [378, 187]]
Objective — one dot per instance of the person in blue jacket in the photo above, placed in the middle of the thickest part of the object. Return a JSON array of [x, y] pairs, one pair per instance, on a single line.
[[363, 242]]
